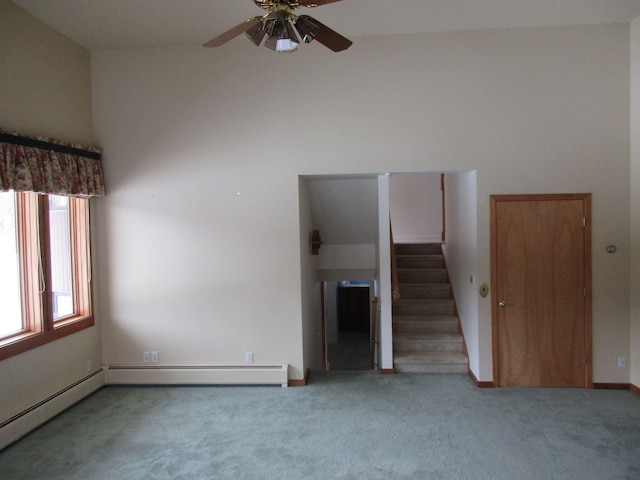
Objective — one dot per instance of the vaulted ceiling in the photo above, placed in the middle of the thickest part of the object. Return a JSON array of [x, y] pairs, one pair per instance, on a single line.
[[123, 24], [345, 215]]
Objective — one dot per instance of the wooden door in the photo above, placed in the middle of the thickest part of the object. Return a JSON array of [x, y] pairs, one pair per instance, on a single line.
[[541, 290]]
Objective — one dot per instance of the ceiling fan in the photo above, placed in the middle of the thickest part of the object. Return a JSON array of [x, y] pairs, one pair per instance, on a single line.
[[281, 27]]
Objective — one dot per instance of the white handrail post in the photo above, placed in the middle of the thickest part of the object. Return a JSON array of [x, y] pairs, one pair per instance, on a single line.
[[384, 269]]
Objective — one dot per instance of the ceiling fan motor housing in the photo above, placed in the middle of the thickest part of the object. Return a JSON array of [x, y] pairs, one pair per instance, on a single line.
[[283, 4]]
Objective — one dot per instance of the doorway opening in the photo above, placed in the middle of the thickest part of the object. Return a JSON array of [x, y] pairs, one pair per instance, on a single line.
[[353, 212], [348, 331]]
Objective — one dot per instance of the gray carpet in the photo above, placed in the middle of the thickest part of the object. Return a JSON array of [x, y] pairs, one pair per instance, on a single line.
[[351, 352], [343, 425]]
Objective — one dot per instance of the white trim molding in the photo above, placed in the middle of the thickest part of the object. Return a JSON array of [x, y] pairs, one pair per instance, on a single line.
[[198, 375], [32, 417]]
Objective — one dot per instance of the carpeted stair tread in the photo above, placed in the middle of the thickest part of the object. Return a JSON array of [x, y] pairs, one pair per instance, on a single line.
[[419, 261], [423, 306], [417, 248], [431, 368], [422, 269], [425, 324], [430, 362], [425, 284], [442, 337], [427, 342], [431, 357], [424, 301], [424, 319], [422, 275], [425, 290]]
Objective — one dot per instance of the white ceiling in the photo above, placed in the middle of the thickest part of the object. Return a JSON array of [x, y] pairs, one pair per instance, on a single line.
[[122, 24]]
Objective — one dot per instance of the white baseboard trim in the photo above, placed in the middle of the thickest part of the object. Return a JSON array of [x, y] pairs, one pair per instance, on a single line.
[[417, 239], [198, 375], [30, 418]]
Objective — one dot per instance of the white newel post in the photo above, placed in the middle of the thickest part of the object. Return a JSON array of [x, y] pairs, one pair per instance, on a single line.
[[384, 265]]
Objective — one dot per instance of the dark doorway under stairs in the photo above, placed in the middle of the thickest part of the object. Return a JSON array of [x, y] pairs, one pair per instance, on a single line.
[[352, 349]]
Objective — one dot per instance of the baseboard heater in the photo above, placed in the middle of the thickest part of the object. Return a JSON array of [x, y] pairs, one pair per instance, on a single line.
[[30, 418], [198, 375]]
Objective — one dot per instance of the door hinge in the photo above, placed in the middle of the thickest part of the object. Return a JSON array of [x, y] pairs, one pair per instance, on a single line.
[[584, 291], [584, 222]]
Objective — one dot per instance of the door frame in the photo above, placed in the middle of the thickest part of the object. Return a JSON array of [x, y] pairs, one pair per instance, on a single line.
[[588, 348], [323, 325]]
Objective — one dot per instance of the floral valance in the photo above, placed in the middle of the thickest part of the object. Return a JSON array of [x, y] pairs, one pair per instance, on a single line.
[[45, 165]]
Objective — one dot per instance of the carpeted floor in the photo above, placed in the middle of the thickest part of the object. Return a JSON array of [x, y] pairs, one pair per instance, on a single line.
[[350, 352], [343, 425]]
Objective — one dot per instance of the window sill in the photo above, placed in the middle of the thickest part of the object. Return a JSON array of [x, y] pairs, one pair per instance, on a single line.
[[28, 341]]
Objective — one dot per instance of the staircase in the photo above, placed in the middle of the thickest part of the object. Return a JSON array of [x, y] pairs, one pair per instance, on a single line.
[[426, 336]]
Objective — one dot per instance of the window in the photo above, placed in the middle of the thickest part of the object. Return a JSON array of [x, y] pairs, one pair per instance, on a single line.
[[45, 279]]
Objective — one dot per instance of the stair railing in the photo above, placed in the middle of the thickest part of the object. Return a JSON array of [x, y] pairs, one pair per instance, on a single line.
[[395, 283]]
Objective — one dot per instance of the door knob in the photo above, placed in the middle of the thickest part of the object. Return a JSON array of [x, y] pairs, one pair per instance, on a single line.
[[503, 304]]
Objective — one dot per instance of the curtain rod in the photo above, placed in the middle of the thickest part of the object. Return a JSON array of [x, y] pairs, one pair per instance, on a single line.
[[34, 143]]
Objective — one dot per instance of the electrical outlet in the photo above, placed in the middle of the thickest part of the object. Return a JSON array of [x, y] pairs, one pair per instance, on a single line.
[[622, 362], [146, 358], [89, 365], [249, 357], [155, 357]]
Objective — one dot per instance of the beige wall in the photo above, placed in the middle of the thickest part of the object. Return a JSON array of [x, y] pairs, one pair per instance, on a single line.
[[635, 203], [44, 90], [202, 274], [416, 208], [461, 253], [45, 86]]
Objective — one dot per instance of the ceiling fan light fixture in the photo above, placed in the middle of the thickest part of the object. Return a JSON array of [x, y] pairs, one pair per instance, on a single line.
[[256, 34], [281, 45], [286, 45], [282, 34]]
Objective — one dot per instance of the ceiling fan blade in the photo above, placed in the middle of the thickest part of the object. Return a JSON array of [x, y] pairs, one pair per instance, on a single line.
[[323, 34], [233, 33], [316, 3]]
